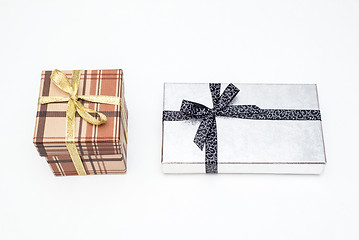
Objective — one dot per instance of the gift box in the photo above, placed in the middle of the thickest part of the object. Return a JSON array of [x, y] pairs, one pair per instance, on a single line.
[[82, 115], [242, 128]]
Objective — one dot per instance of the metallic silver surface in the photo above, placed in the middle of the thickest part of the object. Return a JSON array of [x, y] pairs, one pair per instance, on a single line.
[[244, 145]]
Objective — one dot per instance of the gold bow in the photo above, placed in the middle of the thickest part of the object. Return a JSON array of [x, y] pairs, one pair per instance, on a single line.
[[73, 106]]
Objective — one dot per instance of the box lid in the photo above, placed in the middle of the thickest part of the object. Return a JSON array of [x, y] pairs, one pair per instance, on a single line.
[[49, 134]]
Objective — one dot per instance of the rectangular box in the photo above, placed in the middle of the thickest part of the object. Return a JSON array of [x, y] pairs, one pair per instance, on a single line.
[[250, 142]]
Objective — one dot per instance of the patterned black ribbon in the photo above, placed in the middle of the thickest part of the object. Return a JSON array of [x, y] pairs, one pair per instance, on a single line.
[[207, 130]]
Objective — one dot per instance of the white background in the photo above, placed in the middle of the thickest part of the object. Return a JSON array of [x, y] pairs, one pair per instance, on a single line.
[[179, 41]]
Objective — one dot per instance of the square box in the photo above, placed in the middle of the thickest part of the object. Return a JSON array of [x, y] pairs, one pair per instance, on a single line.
[[90, 140]]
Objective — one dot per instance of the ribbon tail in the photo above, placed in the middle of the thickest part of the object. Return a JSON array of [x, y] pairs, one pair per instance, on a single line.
[[70, 138], [108, 100], [202, 132], [212, 149], [84, 112]]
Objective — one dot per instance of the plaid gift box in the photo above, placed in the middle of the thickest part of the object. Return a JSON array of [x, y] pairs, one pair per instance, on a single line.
[[92, 141]]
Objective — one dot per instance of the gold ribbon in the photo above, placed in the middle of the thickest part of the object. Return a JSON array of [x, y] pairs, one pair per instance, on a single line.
[[74, 105]]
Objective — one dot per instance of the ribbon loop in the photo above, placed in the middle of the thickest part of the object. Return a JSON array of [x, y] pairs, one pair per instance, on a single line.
[[194, 110], [215, 89], [76, 75], [229, 93], [61, 80]]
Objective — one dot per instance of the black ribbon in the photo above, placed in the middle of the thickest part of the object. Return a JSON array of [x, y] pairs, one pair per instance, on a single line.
[[207, 131]]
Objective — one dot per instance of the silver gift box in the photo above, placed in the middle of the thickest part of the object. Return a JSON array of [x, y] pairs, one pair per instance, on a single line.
[[246, 145]]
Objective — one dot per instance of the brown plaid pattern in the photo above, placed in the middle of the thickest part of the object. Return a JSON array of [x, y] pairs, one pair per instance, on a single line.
[[98, 164], [91, 140]]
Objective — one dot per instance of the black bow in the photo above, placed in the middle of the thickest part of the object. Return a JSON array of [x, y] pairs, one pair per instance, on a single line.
[[206, 134]]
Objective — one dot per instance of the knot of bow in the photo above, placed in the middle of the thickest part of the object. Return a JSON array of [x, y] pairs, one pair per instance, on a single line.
[[74, 105], [207, 115]]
